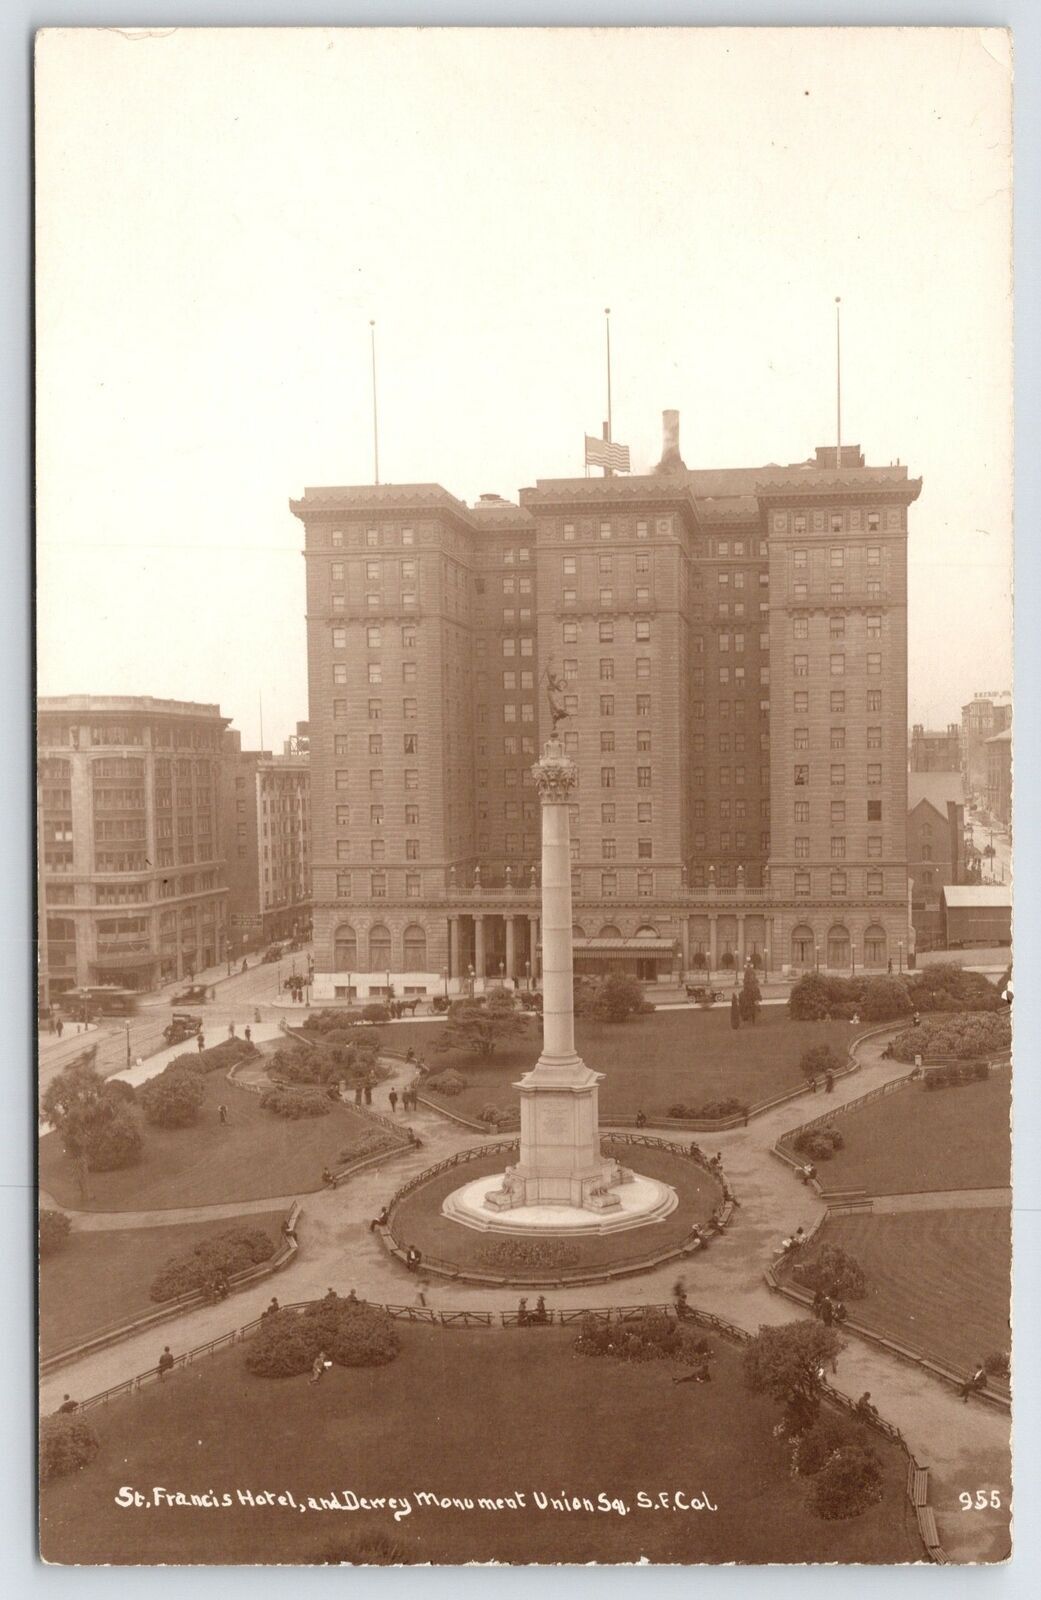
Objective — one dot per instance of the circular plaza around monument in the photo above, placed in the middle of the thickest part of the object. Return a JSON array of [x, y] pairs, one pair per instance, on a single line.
[[640, 1201]]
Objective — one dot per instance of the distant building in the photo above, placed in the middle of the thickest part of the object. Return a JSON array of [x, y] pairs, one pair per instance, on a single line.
[[936, 851], [131, 870], [977, 915], [266, 814], [998, 790], [984, 716], [298, 743], [935, 752]]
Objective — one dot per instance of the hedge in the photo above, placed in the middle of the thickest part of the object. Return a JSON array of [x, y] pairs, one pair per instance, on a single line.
[[711, 1110], [172, 1098], [448, 1083], [963, 1035], [223, 1256], [351, 1332], [848, 1483], [653, 1337], [296, 1103], [67, 1443], [833, 1272], [54, 1230]]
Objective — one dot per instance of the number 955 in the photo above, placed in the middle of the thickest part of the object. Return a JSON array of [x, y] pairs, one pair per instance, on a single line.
[[982, 1500]]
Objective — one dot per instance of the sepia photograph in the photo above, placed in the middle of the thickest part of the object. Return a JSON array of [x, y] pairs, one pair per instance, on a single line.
[[523, 795]]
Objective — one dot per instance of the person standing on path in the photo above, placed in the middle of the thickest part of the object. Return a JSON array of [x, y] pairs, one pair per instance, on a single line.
[[393, 1099], [222, 1112], [165, 1363], [368, 1094]]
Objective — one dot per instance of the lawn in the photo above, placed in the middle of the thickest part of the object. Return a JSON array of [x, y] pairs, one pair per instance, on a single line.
[[938, 1281], [918, 1139], [418, 1221], [254, 1156], [649, 1063], [99, 1280], [460, 1413]]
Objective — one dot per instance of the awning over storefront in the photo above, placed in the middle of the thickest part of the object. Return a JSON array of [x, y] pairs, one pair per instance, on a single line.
[[129, 960], [623, 949]]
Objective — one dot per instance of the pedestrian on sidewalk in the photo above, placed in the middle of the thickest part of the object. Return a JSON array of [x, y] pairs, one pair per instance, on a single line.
[[165, 1363], [974, 1383], [60, 1029], [368, 1093], [248, 1034], [222, 1112], [327, 1178], [357, 1094], [829, 1082], [412, 1258], [813, 1085], [393, 1100], [200, 1042], [231, 1030]]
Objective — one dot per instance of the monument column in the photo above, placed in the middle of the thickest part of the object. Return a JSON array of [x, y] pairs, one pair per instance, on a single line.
[[533, 947]]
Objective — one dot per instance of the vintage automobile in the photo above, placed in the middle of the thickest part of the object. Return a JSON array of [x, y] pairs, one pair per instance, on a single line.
[[182, 1025], [194, 995], [273, 952], [702, 995]]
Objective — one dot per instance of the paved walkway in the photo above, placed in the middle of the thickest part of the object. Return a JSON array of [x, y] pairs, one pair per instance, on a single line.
[[965, 1446], [942, 1200]]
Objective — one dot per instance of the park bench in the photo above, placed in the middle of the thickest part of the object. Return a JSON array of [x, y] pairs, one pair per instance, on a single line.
[[918, 1487], [927, 1525]]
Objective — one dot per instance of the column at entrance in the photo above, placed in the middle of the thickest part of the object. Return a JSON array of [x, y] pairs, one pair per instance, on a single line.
[[713, 947], [479, 945], [511, 949], [740, 942], [685, 942], [453, 947], [533, 947]]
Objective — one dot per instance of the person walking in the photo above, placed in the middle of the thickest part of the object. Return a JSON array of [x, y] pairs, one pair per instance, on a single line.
[[827, 1312], [248, 1034], [231, 1030], [222, 1112], [318, 1369], [522, 1313], [393, 1099], [165, 1363], [200, 1042], [357, 1094], [829, 1082], [60, 1027], [368, 1093], [412, 1258]]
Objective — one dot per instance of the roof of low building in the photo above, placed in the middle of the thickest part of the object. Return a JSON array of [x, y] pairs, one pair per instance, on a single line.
[[977, 896], [936, 788]]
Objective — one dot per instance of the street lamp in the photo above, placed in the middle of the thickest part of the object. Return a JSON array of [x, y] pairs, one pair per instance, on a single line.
[[852, 959], [817, 957], [900, 947], [128, 1043]]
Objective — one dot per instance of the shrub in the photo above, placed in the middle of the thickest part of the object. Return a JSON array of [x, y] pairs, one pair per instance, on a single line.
[[963, 1035], [54, 1231], [617, 998], [948, 987], [448, 1083], [366, 1144], [998, 1364], [814, 1145], [834, 1272], [810, 1000], [492, 1115], [295, 1103], [529, 1253], [351, 1332], [119, 1089], [172, 1099], [848, 1483], [815, 1448], [223, 1256], [67, 1443], [374, 1012], [219, 1057], [884, 999], [115, 1143], [712, 1110], [818, 1060], [653, 1336]]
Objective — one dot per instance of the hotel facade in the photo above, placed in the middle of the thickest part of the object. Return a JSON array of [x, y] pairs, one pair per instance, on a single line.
[[731, 648]]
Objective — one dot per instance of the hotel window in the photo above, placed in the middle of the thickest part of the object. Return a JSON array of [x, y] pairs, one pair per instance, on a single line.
[[570, 567], [375, 816], [838, 665], [641, 530], [874, 663], [571, 633], [643, 562], [372, 537], [608, 885], [837, 555], [570, 669], [874, 699], [801, 666], [645, 885], [343, 816], [606, 632], [337, 571], [724, 674], [606, 743], [569, 531], [373, 637], [643, 705], [607, 705], [605, 530], [799, 558], [608, 849], [724, 643], [375, 710], [607, 811], [838, 772], [802, 776], [339, 745], [798, 524], [643, 811], [605, 566], [375, 744], [874, 626], [526, 645], [343, 886], [509, 647], [569, 597], [643, 630], [802, 883], [874, 845], [724, 777], [409, 672], [874, 738], [802, 811], [607, 777], [644, 849], [802, 701], [801, 628], [339, 602], [377, 849], [343, 849], [802, 738], [411, 744], [723, 548], [874, 589], [799, 591], [372, 572], [339, 672], [874, 883], [643, 739], [408, 536], [523, 554], [838, 701], [739, 583], [802, 846], [375, 778], [874, 811], [836, 591], [378, 883], [408, 597], [409, 709], [643, 777], [607, 598], [509, 713], [408, 572], [838, 738], [606, 670], [343, 778], [411, 816], [723, 579], [411, 778], [873, 521], [739, 643], [836, 522], [837, 627], [337, 538], [643, 666], [874, 555], [874, 772], [838, 848], [838, 811], [571, 705], [838, 883]]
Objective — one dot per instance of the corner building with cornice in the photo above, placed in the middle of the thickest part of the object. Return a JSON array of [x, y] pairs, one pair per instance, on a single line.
[[732, 650]]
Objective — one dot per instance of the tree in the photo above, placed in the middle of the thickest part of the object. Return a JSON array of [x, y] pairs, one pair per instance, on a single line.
[[819, 1059], [884, 999], [617, 998], [787, 1362], [751, 995], [735, 1010], [482, 1025], [172, 1099], [810, 999], [96, 1126]]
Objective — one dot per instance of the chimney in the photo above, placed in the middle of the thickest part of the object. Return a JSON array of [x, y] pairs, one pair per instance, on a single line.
[[671, 460]]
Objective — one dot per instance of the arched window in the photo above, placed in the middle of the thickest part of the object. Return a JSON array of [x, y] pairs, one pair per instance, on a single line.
[[345, 948], [415, 951], [609, 931], [875, 946], [379, 948], [577, 931], [838, 946], [803, 950], [646, 932]]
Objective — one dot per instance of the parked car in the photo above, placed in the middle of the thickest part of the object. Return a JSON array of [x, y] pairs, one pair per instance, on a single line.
[[182, 1025], [272, 953], [700, 993], [194, 995]]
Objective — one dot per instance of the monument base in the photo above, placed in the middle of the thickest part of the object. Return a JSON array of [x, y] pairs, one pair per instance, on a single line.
[[637, 1202]]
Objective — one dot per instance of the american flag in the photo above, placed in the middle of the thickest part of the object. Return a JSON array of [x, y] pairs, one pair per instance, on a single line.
[[601, 453]]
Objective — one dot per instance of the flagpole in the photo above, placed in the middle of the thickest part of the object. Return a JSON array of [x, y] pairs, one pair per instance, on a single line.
[[375, 415], [838, 379]]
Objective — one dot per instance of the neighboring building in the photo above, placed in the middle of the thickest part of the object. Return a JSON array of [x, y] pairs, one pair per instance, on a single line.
[[732, 654], [267, 837], [936, 851], [298, 743], [935, 752], [984, 716], [131, 868], [998, 790], [977, 916]]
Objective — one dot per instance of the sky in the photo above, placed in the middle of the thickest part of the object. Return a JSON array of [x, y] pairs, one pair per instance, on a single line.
[[220, 214]]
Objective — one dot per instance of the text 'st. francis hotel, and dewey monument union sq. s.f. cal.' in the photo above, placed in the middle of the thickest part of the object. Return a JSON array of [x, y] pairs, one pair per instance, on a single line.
[[731, 646]]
